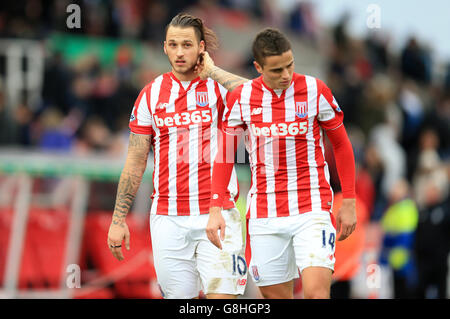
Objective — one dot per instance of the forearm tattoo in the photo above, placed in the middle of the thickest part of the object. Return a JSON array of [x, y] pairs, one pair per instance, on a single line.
[[228, 80], [130, 179]]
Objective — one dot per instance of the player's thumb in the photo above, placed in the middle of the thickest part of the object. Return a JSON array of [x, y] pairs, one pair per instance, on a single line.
[[222, 231], [127, 241], [338, 225]]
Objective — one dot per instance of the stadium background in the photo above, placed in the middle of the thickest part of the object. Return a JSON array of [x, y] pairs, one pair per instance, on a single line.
[[65, 99]]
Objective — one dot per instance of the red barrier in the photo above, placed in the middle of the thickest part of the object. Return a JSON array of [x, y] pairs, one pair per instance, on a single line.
[[134, 277], [44, 248]]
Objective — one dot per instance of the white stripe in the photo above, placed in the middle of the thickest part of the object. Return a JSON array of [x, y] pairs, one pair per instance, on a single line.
[[154, 94], [233, 184], [251, 149], [250, 143], [144, 117], [326, 111], [269, 160], [173, 136], [313, 173], [325, 169], [253, 207], [214, 122], [245, 101], [223, 93], [234, 118], [291, 160], [193, 156]]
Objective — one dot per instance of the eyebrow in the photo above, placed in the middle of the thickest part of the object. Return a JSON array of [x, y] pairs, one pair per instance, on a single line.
[[279, 69], [184, 41]]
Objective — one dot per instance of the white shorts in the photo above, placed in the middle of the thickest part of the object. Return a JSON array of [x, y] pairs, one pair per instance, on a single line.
[[281, 246], [187, 262]]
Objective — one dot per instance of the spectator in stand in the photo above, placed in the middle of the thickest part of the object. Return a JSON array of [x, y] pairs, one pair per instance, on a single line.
[[399, 223], [432, 244], [94, 136], [429, 167], [438, 117], [392, 159], [56, 85], [54, 135], [415, 63]]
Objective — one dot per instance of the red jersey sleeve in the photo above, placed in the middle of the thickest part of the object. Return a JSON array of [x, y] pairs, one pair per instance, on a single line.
[[345, 160], [231, 131]]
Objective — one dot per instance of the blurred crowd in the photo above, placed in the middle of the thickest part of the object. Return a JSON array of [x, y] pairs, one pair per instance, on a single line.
[[398, 118], [397, 113]]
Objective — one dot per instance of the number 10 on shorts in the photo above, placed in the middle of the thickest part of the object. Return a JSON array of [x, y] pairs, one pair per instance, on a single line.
[[239, 264], [331, 239]]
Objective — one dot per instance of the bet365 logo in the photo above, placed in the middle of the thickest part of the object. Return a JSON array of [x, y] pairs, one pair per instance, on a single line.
[[279, 129], [183, 118]]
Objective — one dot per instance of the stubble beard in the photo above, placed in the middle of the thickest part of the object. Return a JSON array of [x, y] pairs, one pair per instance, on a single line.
[[186, 70]]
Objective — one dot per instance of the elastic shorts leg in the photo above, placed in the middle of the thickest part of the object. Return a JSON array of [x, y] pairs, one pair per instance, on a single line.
[[173, 254], [314, 241], [273, 260], [223, 271]]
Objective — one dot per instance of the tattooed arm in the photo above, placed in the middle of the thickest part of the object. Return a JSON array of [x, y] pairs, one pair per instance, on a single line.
[[130, 179], [228, 80]]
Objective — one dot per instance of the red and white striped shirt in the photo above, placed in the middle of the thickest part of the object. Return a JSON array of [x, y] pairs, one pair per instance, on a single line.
[[183, 124], [285, 144]]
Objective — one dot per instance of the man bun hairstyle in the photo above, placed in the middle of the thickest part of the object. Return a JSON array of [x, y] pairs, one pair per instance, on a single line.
[[269, 42], [184, 20]]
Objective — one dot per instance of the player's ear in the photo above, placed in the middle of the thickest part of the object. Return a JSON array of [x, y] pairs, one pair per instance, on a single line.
[[258, 67], [202, 46], [164, 47]]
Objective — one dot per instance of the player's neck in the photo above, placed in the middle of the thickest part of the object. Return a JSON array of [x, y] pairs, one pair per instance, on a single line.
[[184, 76]]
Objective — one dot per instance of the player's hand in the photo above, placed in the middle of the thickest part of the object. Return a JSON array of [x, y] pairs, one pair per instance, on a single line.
[[346, 218], [118, 232], [204, 65], [216, 223]]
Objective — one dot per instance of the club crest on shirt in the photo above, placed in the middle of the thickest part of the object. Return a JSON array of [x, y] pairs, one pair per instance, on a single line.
[[301, 109], [202, 98]]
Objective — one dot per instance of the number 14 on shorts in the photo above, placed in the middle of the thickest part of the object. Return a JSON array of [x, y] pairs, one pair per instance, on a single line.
[[331, 239]]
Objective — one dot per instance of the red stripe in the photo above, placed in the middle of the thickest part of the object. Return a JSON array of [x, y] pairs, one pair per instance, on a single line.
[[182, 154], [163, 178], [204, 154], [248, 248], [301, 153], [279, 152]]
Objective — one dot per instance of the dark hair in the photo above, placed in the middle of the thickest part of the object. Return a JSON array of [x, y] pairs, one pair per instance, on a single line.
[[269, 42], [184, 20]]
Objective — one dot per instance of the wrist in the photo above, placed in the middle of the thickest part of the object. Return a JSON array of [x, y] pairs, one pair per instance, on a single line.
[[215, 210], [349, 202], [117, 219]]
